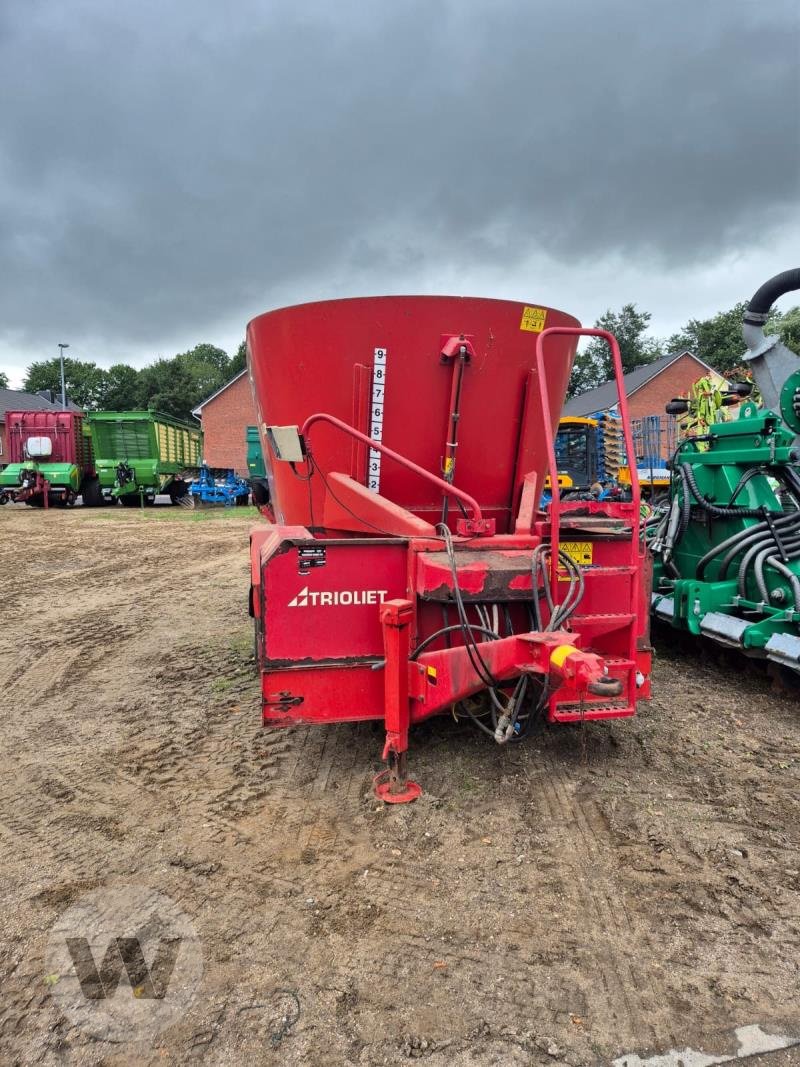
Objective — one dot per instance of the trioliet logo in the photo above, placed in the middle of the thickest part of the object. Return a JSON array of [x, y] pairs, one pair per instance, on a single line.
[[340, 598]]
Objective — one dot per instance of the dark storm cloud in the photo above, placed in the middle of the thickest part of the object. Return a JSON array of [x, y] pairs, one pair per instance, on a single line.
[[166, 166]]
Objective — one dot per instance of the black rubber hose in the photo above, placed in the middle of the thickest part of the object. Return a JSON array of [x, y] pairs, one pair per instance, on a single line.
[[745, 478], [714, 509], [686, 515], [791, 549], [752, 554], [750, 545], [759, 535], [744, 539], [790, 577], [746, 561], [447, 630], [765, 296]]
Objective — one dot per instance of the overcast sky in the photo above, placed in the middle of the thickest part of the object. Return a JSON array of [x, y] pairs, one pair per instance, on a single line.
[[169, 170]]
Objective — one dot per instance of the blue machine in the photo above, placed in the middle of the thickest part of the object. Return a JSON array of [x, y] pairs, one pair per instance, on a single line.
[[227, 491]]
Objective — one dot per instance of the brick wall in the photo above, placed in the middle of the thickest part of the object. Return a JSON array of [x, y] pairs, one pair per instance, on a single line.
[[225, 420], [676, 379]]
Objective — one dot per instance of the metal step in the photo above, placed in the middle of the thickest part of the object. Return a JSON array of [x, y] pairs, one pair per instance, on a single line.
[[574, 711], [601, 622]]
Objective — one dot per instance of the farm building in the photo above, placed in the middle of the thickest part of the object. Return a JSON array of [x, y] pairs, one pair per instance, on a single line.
[[225, 416], [648, 388]]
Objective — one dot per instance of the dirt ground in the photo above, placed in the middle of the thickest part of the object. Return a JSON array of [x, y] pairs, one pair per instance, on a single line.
[[625, 888]]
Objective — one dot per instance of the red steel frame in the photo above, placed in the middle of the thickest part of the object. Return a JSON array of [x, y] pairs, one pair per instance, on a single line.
[[378, 676], [552, 464]]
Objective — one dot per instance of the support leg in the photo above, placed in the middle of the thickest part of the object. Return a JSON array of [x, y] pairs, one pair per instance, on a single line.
[[392, 785]]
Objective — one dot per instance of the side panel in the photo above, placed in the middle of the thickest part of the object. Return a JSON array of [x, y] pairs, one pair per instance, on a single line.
[[63, 428], [321, 599]]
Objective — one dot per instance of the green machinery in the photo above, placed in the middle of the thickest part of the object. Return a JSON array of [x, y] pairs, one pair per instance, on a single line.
[[51, 459], [138, 454], [726, 543], [256, 469]]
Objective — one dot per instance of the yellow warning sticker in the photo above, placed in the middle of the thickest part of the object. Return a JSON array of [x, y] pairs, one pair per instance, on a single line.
[[431, 673], [533, 319], [580, 551]]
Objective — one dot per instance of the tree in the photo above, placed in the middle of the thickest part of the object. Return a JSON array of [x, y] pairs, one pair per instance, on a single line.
[[239, 361], [177, 385], [3, 380], [587, 373], [166, 385], [593, 365], [85, 382], [718, 339], [122, 389], [789, 329]]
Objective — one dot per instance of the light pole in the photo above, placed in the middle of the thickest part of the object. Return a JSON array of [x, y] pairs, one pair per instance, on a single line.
[[61, 348]]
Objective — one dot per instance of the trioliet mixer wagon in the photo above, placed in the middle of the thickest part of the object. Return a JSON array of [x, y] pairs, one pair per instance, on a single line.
[[409, 570]]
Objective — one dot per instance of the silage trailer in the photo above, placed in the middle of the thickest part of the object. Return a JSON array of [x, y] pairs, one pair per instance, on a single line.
[[50, 458], [139, 454]]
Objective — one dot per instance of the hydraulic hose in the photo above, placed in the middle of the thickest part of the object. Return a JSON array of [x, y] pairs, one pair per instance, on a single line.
[[744, 539], [448, 630], [745, 478], [748, 557], [753, 553], [674, 526], [791, 550], [761, 534], [750, 546], [719, 512], [790, 577]]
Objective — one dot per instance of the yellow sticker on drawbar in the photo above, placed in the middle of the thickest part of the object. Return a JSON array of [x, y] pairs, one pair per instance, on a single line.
[[533, 319]]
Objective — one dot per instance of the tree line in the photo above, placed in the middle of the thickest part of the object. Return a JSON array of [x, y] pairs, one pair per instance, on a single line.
[[173, 386], [716, 340], [177, 385]]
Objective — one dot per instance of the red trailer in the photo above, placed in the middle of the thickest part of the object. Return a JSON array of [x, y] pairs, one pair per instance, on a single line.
[[51, 458], [409, 570]]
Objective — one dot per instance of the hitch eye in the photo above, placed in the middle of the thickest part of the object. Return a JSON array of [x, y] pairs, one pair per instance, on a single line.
[[287, 443]]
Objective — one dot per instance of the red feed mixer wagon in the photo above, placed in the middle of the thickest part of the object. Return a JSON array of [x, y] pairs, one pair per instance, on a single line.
[[408, 569]]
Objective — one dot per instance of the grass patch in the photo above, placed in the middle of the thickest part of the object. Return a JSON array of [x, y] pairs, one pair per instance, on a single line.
[[170, 514], [222, 685], [241, 643]]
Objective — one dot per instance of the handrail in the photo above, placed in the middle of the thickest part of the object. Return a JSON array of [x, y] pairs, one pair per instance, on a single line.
[[445, 487], [555, 502]]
